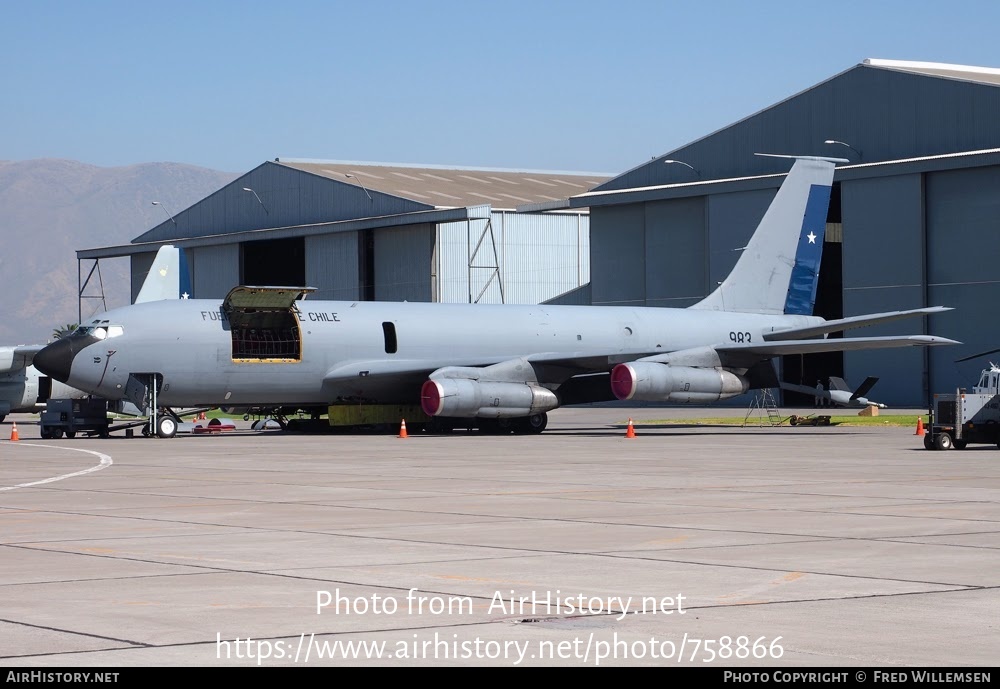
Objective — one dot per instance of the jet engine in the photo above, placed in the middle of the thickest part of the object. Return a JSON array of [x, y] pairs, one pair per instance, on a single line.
[[464, 398], [652, 382]]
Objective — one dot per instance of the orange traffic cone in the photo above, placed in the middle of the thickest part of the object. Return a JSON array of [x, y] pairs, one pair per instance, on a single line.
[[402, 429], [920, 426], [13, 433], [630, 433]]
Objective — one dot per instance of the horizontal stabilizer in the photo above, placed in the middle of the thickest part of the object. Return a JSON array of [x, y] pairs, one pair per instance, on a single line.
[[976, 356], [865, 387], [841, 324]]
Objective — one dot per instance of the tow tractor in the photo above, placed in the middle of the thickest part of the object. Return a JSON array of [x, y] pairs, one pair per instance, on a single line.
[[811, 420], [71, 416], [958, 419]]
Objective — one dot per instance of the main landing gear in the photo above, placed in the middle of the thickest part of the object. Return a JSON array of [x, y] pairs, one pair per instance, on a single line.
[[164, 424], [522, 425]]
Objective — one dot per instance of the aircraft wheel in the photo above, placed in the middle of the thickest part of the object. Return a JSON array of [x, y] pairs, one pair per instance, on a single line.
[[942, 441], [166, 427], [928, 441], [960, 444], [532, 425]]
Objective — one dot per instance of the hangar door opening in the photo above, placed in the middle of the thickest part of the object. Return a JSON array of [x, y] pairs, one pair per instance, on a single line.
[[273, 262], [807, 369]]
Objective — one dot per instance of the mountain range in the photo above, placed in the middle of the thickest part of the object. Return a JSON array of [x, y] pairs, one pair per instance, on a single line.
[[49, 209]]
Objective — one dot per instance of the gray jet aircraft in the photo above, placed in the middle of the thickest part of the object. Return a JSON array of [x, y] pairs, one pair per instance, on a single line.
[[505, 366], [839, 393]]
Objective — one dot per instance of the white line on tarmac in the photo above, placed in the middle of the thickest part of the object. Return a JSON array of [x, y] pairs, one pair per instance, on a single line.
[[105, 463]]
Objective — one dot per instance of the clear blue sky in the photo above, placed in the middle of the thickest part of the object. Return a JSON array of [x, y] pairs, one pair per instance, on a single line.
[[546, 84]]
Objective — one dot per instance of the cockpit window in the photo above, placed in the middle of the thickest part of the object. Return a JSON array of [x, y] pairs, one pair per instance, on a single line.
[[91, 331], [101, 332]]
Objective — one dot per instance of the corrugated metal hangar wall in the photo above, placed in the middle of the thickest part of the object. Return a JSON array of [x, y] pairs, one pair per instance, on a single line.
[[914, 233]]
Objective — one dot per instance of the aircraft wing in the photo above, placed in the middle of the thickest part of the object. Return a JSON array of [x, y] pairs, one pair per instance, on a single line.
[[852, 322], [16, 358], [362, 377], [399, 379], [833, 344], [792, 387]]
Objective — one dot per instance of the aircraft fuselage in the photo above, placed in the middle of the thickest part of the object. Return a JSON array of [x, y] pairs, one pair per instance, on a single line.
[[190, 342]]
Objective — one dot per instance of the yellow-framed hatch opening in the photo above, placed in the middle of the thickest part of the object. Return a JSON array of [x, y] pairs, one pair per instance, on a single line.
[[264, 323]]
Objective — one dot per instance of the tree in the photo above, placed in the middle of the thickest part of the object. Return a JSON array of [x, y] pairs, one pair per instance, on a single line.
[[64, 331]]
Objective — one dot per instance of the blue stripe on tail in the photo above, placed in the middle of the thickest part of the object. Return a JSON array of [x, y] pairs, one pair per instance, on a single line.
[[805, 274], [184, 277]]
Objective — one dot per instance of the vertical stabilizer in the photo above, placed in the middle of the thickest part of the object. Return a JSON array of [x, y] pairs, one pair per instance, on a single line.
[[778, 270], [167, 278]]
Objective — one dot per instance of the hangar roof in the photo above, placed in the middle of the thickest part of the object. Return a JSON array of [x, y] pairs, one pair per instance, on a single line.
[[448, 187], [878, 110], [986, 75]]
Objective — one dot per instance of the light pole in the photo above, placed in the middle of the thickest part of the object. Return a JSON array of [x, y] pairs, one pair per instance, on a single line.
[[361, 185], [670, 161], [258, 199], [842, 143], [157, 203]]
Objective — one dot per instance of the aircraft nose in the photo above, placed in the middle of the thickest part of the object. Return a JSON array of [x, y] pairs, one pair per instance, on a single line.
[[56, 360]]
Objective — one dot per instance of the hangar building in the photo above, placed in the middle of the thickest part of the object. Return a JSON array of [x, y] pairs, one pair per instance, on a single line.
[[914, 217], [378, 232]]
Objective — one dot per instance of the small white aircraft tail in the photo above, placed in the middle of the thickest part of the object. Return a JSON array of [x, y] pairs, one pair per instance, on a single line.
[[167, 278], [778, 270]]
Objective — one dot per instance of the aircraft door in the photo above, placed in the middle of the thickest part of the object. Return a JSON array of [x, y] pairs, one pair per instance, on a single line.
[[139, 390], [44, 389]]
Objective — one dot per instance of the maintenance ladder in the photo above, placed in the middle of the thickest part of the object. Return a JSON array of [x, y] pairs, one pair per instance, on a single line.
[[763, 402]]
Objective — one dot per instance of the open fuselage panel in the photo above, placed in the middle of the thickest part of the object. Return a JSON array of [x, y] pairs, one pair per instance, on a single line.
[[264, 324]]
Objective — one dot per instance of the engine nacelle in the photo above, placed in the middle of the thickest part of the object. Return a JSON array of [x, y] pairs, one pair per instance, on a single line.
[[464, 398], [652, 382]]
